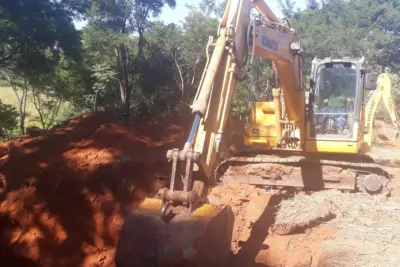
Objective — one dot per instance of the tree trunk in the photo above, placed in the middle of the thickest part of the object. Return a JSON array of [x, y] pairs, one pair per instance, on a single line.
[[21, 105], [125, 67], [96, 100], [123, 75], [23, 111], [55, 112], [36, 103]]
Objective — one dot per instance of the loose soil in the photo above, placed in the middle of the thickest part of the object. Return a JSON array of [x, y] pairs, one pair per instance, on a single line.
[[63, 196], [254, 244]]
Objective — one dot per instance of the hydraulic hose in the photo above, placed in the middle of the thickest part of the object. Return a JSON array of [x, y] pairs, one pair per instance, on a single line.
[[251, 23], [195, 125]]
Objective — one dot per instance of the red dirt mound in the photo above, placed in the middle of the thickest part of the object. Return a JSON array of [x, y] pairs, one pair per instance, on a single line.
[[384, 135], [63, 195]]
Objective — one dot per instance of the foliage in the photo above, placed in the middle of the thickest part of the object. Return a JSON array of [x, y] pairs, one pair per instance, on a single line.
[[104, 86], [184, 50], [19, 85], [47, 108], [47, 90], [35, 37], [257, 87], [210, 8], [395, 82], [120, 20], [240, 102], [8, 120], [356, 28], [124, 59], [68, 82], [31, 30], [67, 109], [75, 8]]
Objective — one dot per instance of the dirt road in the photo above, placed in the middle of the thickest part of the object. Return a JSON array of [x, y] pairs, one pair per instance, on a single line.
[[64, 196]]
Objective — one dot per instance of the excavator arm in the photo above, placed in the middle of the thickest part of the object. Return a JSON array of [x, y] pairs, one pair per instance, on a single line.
[[239, 37], [178, 227]]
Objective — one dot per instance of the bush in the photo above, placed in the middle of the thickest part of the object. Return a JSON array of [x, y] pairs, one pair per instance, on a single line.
[[8, 120]]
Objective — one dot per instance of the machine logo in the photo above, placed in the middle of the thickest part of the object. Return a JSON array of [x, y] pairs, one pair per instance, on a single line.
[[269, 43]]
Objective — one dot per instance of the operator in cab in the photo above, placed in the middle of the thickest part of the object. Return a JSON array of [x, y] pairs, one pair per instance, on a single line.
[[337, 98], [336, 103]]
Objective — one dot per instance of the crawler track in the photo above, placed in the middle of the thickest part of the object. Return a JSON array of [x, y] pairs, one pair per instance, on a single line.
[[306, 172]]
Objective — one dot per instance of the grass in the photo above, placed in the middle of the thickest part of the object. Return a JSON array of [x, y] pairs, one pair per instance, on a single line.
[[368, 229], [8, 97]]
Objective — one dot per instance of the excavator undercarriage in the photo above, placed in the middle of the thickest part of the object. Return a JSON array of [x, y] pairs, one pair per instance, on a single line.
[[308, 172]]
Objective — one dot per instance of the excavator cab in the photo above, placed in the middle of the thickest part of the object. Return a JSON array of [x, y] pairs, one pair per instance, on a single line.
[[339, 110], [337, 94], [343, 97]]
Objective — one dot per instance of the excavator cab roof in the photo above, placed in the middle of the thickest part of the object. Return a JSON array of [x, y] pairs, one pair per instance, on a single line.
[[358, 61]]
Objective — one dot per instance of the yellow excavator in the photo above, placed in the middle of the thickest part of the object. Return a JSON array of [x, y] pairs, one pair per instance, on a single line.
[[317, 138]]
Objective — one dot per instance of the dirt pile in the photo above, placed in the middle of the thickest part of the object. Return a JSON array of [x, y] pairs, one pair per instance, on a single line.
[[384, 134], [253, 242], [63, 197], [64, 194]]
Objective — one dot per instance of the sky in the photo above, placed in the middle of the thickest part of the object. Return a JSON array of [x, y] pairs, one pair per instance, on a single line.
[[180, 11]]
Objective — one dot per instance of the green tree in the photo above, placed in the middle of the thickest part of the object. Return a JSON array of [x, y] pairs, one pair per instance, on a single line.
[[30, 30], [211, 8], [75, 8], [185, 47], [20, 86], [104, 86], [34, 35], [287, 8], [66, 82], [120, 20]]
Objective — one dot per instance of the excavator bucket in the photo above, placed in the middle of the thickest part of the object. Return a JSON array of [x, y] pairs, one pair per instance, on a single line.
[[200, 238]]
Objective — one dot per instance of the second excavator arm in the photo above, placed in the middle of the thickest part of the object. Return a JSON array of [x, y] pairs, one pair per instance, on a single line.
[[381, 93]]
